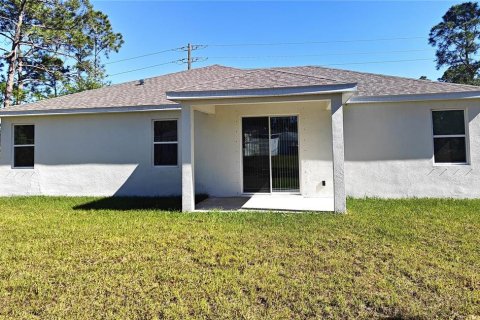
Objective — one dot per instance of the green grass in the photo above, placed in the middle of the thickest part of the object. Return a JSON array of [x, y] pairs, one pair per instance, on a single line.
[[95, 259]]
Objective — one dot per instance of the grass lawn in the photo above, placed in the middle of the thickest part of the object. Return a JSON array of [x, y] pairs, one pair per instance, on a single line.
[[90, 258]]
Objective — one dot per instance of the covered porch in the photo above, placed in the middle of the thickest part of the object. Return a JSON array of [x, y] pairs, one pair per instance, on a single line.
[[219, 127]]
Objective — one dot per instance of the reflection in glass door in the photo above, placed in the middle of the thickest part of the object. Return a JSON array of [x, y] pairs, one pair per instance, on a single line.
[[270, 154], [256, 160], [284, 154]]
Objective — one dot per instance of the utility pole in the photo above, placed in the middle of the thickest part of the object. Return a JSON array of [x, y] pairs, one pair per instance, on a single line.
[[189, 56], [190, 60]]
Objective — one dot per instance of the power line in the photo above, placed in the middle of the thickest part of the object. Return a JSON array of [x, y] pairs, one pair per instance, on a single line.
[[189, 60], [324, 65], [317, 55], [193, 47], [203, 46], [373, 62], [144, 68], [189, 48], [143, 55], [185, 48], [310, 42]]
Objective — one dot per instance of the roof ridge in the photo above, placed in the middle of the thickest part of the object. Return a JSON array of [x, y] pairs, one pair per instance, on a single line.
[[228, 78], [389, 76], [120, 84], [301, 74], [249, 71], [189, 71], [219, 79], [173, 73]]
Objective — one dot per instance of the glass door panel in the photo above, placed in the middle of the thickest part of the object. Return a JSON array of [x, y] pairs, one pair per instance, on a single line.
[[256, 155], [284, 154], [270, 154]]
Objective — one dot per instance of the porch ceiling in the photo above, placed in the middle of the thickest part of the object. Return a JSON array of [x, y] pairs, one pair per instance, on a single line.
[[213, 106]]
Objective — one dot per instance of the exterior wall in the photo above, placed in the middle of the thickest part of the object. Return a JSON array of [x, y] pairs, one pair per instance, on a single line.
[[389, 152], [98, 154], [218, 153]]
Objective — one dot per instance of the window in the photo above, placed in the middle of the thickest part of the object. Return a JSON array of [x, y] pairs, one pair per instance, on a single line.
[[449, 139], [165, 143], [23, 146]]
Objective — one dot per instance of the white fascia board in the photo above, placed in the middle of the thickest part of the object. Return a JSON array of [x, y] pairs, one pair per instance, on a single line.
[[24, 113], [415, 97], [254, 93]]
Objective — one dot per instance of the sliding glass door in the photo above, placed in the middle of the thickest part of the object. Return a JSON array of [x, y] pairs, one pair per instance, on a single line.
[[270, 154], [284, 154], [256, 159]]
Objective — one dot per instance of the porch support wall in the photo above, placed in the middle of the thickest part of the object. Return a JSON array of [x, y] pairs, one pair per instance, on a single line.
[[187, 143], [338, 148]]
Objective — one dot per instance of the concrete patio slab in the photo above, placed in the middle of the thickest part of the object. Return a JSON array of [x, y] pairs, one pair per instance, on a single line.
[[225, 204], [281, 202]]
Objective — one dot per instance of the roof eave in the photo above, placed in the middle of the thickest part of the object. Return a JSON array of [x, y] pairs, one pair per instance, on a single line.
[[415, 97], [178, 96], [76, 111]]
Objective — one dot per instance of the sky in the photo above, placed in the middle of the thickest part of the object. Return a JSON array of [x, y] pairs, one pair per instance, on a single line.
[[388, 37]]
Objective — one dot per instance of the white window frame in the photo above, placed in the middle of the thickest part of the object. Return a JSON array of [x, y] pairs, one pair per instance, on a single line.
[[164, 142], [465, 136], [23, 145]]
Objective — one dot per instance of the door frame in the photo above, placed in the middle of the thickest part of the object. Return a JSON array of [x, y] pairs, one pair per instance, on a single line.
[[269, 153]]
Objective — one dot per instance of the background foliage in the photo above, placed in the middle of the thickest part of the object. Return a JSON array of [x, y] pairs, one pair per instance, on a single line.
[[52, 47]]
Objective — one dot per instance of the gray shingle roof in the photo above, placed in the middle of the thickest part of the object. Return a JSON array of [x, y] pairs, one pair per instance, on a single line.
[[216, 77], [131, 94], [261, 79], [370, 84]]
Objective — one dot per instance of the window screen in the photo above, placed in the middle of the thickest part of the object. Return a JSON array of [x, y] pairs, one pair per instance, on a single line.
[[449, 139], [165, 143], [23, 146]]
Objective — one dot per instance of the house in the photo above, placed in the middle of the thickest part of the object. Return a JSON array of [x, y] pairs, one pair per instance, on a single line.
[[286, 138]]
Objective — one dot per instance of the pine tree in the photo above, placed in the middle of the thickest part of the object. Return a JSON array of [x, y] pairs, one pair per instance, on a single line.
[[53, 47], [457, 41]]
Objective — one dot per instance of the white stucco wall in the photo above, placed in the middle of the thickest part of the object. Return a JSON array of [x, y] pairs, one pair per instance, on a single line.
[[98, 154], [218, 153], [389, 152]]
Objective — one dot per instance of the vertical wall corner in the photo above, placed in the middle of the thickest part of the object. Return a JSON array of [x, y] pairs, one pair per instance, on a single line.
[[338, 147], [188, 156]]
